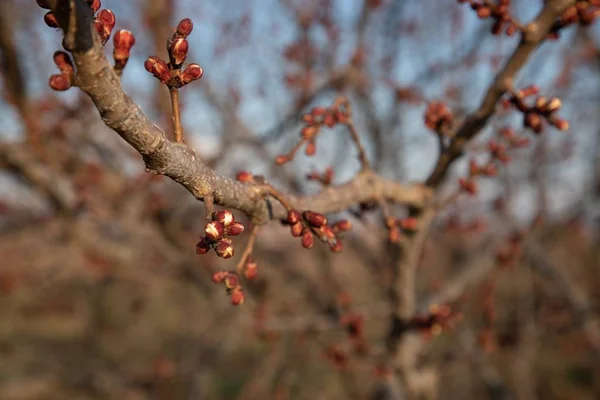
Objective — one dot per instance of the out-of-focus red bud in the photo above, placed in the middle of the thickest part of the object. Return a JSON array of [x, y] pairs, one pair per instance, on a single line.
[[307, 239], [50, 20], [59, 82]]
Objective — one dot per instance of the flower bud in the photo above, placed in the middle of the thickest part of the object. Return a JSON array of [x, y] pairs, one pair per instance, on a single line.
[[50, 20], [191, 73], [105, 22], [214, 231], [63, 62], [178, 50], [225, 217], [561, 124], [307, 239], [94, 4], [244, 176], [158, 68], [59, 82], [219, 276], [202, 247], [468, 185], [231, 281], [281, 159], [237, 296], [309, 132], [311, 148], [336, 246], [250, 269], [533, 121], [296, 229], [553, 105], [184, 27], [409, 224], [314, 218], [235, 229], [293, 217], [342, 226], [224, 248], [123, 42]]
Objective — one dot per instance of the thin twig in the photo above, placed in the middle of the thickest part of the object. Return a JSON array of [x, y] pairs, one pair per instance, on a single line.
[[178, 131]]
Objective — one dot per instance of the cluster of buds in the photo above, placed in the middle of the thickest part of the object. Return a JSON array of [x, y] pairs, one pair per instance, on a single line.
[[325, 178], [438, 117], [439, 319], [584, 12], [217, 234], [232, 285], [65, 79], [309, 223], [499, 11], [542, 108], [319, 117], [170, 73], [396, 226]]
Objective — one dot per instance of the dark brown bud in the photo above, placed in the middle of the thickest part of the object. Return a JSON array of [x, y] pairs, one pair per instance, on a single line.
[[50, 20], [43, 4], [202, 247], [184, 27], [191, 73]]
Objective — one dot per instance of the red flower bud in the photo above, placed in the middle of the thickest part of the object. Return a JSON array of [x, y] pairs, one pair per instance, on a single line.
[[59, 82], [235, 229], [293, 217], [178, 50], [336, 246], [468, 186], [94, 4], [224, 248], [50, 20], [309, 132], [307, 239], [214, 231], [191, 73], [219, 276], [184, 27], [409, 224], [534, 121], [237, 297], [318, 111], [311, 148], [202, 247], [105, 22], [342, 226], [314, 218], [296, 229], [561, 124], [244, 176], [231, 281], [158, 68], [251, 269], [123, 42], [281, 159], [225, 217]]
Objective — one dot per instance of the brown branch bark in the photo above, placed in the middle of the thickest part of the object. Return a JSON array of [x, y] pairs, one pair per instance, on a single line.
[[96, 78], [535, 34]]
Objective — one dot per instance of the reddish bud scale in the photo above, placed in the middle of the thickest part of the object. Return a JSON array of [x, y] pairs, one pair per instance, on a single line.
[[468, 185], [533, 121], [311, 148], [158, 68], [184, 27], [307, 239], [281, 159], [94, 4], [123, 42], [342, 226], [409, 224], [105, 22], [315, 219], [317, 111], [250, 273], [219, 276], [336, 246], [214, 231], [225, 217], [308, 118], [63, 62], [561, 124], [309, 132]]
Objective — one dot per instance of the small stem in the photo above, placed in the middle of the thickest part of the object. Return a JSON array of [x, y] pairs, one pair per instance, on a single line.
[[271, 191], [362, 155], [209, 206], [178, 135], [247, 250]]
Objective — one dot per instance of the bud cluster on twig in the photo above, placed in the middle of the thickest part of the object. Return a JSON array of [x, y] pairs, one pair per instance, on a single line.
[[398, 226], [438, 117], [584, 13], [542, 108], [499, 11], [217, 234], [308, 224], [170, 73], [232, 285]]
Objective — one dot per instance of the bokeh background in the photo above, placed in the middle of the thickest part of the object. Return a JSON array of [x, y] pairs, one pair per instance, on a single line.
[[103, 297]]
